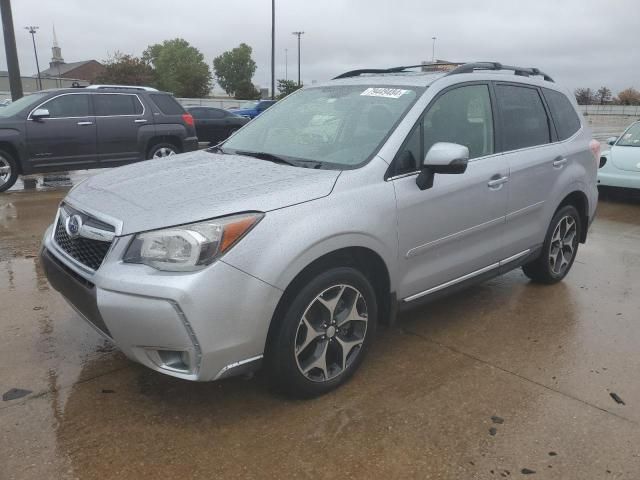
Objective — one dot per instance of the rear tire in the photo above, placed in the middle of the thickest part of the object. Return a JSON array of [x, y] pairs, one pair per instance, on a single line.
[[559, 249], [161, 150], [8, 171], [324, 334]]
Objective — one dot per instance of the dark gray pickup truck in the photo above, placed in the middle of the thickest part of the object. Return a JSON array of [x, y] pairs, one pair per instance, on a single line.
[[98, 126]]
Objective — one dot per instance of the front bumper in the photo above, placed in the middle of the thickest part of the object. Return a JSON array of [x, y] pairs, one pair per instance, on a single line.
[[215, 321]]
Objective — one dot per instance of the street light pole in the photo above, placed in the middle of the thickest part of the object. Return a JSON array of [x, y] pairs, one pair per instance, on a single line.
[[298, 34], [15, 82], [32, 30], [286, 64], [433, 50], [273, 49]]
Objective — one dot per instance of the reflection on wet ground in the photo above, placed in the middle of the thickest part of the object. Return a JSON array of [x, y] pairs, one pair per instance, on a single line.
[[543, 359]]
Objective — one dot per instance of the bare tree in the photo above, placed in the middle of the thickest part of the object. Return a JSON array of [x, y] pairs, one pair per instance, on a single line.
[[603, 95], [584, 96], [629, 96]]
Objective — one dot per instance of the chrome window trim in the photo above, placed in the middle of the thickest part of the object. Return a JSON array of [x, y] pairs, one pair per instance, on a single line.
[[144, 109]]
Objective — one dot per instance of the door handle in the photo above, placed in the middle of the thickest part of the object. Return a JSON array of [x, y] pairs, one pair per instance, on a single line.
[[82, 124], [559, 162], [496, 183], [140, 120]]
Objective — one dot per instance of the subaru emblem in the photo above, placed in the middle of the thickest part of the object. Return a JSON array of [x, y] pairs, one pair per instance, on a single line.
[[73, 225]]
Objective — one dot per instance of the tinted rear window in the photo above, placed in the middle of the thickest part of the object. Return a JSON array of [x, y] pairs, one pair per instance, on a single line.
[[564, 116], [524, 118], [167, 104], [116, 104]]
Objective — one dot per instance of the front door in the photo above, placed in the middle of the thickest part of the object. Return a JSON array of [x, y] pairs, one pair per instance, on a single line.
[[119, 118], [67, 138], [455, 229]]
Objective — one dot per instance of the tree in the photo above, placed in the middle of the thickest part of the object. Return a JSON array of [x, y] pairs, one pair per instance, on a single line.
[[125, 69], [584, 96], [629, 96], [603, 95], [247, 91], [285, 87], [180, 68], [234, 70]]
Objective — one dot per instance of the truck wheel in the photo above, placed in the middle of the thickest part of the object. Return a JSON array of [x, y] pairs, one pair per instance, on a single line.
[[8, 171], [559, 249], [162, 150], [324, 334]]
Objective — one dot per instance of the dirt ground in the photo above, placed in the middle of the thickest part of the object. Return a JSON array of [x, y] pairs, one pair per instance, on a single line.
[[498, 381]]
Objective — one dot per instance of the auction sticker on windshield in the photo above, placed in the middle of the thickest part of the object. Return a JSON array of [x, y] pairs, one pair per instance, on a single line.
[[384, 92]]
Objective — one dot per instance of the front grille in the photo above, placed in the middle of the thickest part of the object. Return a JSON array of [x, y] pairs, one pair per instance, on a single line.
[[87, 251]]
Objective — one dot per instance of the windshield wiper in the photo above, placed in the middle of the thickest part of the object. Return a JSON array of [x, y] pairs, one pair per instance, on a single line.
[[216, 149], [266, 156]]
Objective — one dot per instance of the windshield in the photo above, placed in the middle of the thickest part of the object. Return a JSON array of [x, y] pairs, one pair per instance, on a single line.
[[630, 138], [335, 127], [21, 104]]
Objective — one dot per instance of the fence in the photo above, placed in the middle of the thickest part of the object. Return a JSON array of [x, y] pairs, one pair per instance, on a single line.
[[628, 110], [212, 102]]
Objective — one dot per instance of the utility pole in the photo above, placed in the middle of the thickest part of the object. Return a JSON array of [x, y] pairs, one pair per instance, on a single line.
[[433, 49], [32, 30], [273, 49], [13, 67], [286, 64], [298, 34]]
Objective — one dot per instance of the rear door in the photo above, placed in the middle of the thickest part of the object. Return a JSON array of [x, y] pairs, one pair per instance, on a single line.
[[119, 118], [67, 139], [454, 230], [536, 161]]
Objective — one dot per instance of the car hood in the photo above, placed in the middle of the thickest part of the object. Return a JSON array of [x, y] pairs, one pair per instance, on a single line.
[[626, 157], [196, 186]]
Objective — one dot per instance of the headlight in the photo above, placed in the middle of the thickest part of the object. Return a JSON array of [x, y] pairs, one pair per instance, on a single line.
[[190, 247]]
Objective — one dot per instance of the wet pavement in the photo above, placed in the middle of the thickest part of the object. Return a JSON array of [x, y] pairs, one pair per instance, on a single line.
[[501, 380]]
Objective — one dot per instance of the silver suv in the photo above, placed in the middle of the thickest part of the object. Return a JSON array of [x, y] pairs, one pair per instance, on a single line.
[[291, 241]]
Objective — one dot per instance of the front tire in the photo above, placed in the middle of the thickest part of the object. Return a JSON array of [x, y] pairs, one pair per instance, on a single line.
[[8, 171], [559, 249], [161, 150], [324, 334]]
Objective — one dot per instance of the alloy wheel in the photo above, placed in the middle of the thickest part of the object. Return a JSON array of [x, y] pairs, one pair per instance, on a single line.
[[163, 152], [330, 333], [5, 170], [563, 244]]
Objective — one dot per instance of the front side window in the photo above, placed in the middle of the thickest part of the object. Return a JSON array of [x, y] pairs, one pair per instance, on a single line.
[[630, 138], [463, 116], [72, 105], [335, 126], [564, 115], [107, 104], [524, 119]]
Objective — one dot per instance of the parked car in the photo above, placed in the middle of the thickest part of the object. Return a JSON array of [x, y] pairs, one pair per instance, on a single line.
[[287, 244], [621, 164], [252, 109], [94, 127], [215, 124]]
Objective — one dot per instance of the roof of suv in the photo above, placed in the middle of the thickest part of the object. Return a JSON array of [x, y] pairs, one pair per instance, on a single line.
[[105, 89]]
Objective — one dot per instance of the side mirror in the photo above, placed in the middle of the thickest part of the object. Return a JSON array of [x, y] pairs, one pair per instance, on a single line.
[[443, 158], [40, 113], [612, 140]]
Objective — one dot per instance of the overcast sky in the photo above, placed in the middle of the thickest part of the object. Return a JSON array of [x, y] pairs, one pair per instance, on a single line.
[[579, 42]]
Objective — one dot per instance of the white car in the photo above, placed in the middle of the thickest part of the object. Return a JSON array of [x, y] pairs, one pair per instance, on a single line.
[[621, 165]]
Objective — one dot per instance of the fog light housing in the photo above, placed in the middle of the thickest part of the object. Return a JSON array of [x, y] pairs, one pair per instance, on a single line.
[[175, 360]]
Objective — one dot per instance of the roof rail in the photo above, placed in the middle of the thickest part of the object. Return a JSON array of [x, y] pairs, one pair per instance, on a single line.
[[355, 73], [521, 71], [123, 87]]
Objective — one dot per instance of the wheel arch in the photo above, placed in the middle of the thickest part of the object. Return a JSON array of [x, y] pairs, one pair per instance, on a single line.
[[579, 200], [364, 259], [11, 149]]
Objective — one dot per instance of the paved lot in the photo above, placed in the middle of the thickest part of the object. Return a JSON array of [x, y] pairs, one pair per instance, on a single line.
[[543, 359]]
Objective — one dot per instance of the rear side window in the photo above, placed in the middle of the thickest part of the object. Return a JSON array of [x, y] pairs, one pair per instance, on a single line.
[[564, 115], [215, 113], [167, 104], [107, 104], [524, 119], [73, 105]]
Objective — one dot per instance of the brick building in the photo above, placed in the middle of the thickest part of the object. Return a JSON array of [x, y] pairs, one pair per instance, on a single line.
[[86, 70]]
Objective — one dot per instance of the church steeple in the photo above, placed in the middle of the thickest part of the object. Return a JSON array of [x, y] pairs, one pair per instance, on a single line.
[[56, 58]]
